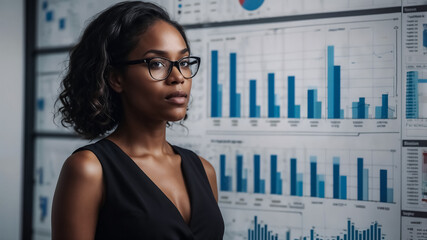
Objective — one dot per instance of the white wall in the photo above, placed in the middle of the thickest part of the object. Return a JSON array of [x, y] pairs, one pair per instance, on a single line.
[[11, 116]]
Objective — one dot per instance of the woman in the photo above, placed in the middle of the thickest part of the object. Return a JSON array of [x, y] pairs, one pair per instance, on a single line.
[[131, 74]]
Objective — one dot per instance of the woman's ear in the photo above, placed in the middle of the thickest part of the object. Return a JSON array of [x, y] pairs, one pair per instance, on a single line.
[[115, 80]]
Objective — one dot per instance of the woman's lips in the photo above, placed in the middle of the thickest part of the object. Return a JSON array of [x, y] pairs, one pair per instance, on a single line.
[[177, 97]]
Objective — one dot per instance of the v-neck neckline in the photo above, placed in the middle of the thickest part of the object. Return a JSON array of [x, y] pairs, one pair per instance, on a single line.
[[183, 171]]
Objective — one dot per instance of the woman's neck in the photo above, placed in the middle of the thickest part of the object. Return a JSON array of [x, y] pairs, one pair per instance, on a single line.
[[141, 137]]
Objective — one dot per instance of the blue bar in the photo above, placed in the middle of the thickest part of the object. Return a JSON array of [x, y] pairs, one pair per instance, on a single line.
[[223, 178], [376, 231], [297, 111], [412, 108], [384, 108], [331, 74], [262, 186], [219, 104], [310, 103], [313, 177], [425, 35], [365, 184], [337, 92], [271, 96], [383, 185], [348, 229], [359, 178], [336, 177], [233, 83], [257, 177], [291, 97], [293, 176], [256, 227], [299, 184], [266, 231], [343, 187], [279, 183], [390, 195], [361, 108], [379, 233], [273, 173], [288, 235], [311, 234], [252, 99], [321, 186], [239, 173], [214, 84], [352, 232]]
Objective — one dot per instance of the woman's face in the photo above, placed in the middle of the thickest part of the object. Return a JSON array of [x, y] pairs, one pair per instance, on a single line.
[[146, 98]]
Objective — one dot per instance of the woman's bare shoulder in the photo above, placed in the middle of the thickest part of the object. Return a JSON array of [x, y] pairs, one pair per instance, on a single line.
[[83, 164]]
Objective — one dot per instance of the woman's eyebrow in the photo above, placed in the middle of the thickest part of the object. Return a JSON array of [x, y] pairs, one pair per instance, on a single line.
[[160, 52]]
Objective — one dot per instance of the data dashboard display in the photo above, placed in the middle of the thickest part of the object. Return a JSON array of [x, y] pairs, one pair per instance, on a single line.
[[313, 113]]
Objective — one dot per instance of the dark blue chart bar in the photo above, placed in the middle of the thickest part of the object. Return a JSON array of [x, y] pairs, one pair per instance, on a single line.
[[225, 181], [317, 181], [259, 184], [296, 179], [273, 109], [276, 180], [254, 109], [216, 88], [294, 111], [334, 87], [242, 181], [235, 98]]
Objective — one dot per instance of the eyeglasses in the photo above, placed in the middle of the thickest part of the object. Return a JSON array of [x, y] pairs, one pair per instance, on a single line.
[[160, 68]]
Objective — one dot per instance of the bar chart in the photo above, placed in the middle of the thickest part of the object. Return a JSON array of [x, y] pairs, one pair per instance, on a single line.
[[273, 74], [358, 175], [260, 229]]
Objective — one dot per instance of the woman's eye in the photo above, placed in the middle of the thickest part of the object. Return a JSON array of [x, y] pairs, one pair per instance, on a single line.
[[184, 63], [156, 64]]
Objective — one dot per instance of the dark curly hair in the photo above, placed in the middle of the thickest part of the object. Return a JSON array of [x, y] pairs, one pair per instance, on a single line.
[[89, 104]]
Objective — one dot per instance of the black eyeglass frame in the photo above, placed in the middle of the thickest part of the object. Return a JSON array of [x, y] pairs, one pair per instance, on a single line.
[[172, 64]]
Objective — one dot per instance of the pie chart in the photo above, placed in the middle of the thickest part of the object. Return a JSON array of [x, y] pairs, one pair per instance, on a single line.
[[251, 5]]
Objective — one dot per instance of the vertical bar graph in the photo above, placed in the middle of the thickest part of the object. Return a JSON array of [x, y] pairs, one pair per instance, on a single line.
[[260, 231], [254, 109], [372, 232], [276, 180], [333, 100], [259, 184], [225, 181], [273, 108], [358, 178]]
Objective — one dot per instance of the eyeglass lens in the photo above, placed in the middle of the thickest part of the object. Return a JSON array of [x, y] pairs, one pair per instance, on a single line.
[[160, 68]]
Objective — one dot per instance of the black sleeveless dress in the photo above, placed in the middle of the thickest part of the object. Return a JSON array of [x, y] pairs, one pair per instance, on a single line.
[[135, 208]]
